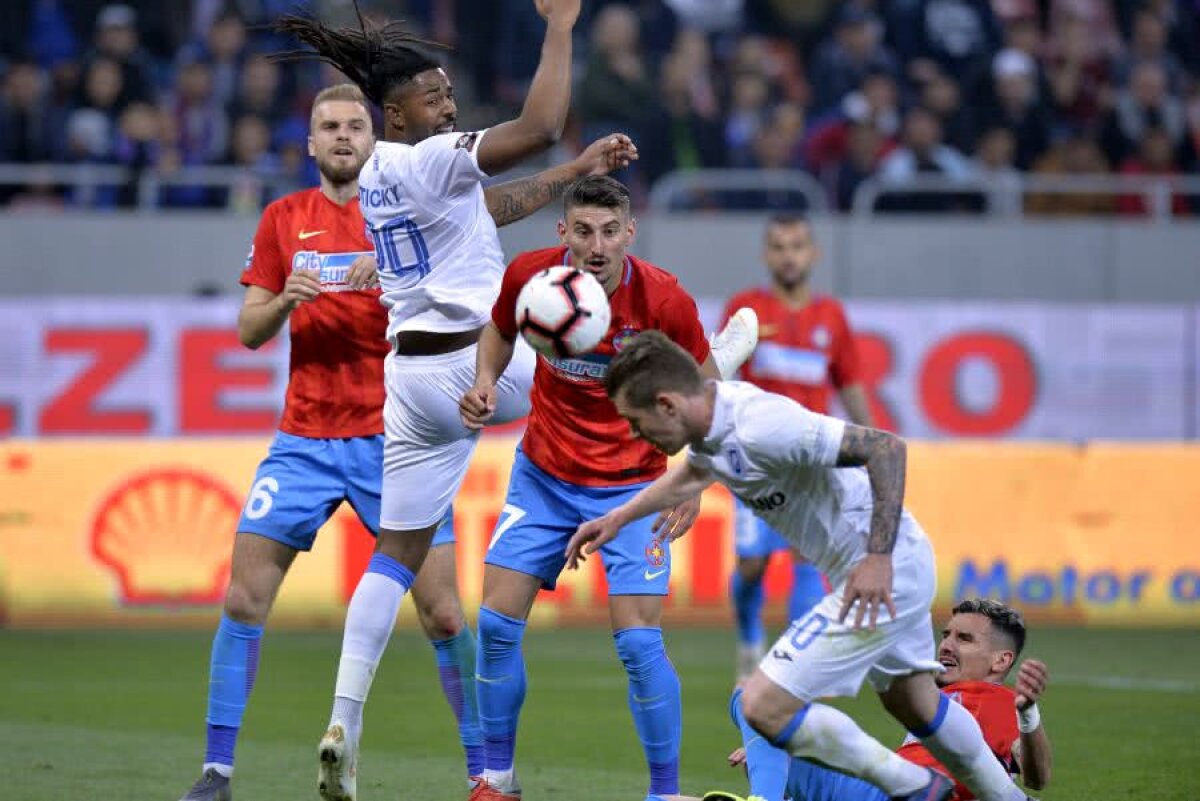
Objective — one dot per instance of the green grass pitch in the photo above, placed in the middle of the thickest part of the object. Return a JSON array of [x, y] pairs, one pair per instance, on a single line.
[[120, 715]]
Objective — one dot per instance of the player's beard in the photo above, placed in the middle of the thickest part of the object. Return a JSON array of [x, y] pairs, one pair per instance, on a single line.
[[339, 176]]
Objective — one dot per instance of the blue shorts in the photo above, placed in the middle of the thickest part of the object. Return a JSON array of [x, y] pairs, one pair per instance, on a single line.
[[303, 480], [808, 781], [752, 537], [541, 513]]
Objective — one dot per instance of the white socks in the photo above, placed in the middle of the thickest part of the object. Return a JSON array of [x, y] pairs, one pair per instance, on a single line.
[[959, 745], [369, 622], [832, 738]]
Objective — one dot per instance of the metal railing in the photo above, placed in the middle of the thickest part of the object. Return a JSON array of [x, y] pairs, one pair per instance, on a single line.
[[681, 187], [87, 178], [1007, 195]]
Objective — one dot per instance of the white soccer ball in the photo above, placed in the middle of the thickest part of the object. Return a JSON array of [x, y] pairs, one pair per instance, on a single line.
[[563, 312]]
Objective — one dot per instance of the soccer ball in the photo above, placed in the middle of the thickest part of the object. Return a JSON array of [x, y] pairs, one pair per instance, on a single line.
[[563, 312]]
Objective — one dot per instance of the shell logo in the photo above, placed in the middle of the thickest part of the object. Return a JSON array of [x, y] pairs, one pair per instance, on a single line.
[[166, 535]]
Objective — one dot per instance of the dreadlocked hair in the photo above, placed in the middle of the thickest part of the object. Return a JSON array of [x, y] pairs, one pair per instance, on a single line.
[[375, 57]]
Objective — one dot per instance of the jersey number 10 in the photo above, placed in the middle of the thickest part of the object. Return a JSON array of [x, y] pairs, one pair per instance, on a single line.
[[401, 250]]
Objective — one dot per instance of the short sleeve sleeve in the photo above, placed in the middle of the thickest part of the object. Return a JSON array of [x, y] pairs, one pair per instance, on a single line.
[[845, 367], [680, 320], [448, 164], [779, 431], [264, 265]]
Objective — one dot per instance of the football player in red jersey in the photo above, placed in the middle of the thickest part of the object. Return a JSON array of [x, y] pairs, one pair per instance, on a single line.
[[578, 459], [312, 267], [979, 648], [805, 348]]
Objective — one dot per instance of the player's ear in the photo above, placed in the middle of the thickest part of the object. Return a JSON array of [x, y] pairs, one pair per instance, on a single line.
[[1003, 662], [393, 115], [562, 231], [631, 229], [312, 150]]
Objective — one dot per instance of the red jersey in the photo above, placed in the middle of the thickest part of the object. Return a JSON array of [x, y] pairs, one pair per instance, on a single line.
[[800, 351], [994, 707], [574, 432], [335, 379]]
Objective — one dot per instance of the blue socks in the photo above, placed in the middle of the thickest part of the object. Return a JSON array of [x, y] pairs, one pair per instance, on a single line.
[[655, 704], [747, 609], [500, 677], [231, 678], [456, 668], [808, 588], [766, 765]]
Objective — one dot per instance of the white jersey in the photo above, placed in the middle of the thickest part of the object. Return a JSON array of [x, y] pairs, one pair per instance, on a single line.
[[778, 458], [439, 255]]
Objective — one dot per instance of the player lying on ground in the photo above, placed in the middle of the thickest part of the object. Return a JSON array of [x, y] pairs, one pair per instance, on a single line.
[[313, 267], [836, 490], [979, 647], [577, 460]]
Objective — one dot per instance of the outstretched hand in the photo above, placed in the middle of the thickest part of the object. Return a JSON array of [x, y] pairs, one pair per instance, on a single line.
[[591, 537], [607, 154], [673, 523]]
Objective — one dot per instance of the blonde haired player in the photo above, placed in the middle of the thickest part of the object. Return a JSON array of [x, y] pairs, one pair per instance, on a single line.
[[835, 490]]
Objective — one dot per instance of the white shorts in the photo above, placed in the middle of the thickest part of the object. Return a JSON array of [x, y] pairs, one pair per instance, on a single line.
[[426, 447], [817, 657]]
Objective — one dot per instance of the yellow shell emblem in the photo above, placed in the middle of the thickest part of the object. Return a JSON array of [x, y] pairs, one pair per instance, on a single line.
[[166, 536]]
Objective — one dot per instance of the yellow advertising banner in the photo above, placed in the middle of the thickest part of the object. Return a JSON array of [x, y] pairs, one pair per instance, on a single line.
[[137, 532]]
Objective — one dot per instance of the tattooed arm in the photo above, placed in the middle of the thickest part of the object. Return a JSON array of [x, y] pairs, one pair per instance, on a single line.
[[515, 200], [884, 456]]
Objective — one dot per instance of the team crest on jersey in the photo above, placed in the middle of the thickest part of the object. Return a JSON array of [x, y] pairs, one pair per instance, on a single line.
[[467, 141], [656, 554], [821, 337], [623, 337]]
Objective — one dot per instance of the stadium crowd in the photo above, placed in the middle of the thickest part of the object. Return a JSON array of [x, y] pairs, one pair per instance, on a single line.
[[842, 89]]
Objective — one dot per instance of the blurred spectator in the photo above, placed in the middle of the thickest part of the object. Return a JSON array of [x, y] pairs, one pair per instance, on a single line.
[[1145, 103], [875, 105], [250, 148], [692, 136], [200, 128], [941, 95], [994, 165], [1096, 20], [865, 146], [1148, 42], [27, 131], [137, 145], [259, 92], [776, 146], [954, 35], [842, 63], [1075, 156], [617, 92], [516, 59], [224, 48], [1080, 76], [51, 37], [1156, 157], [117, 39], [711, 16], [923, 152], [1014, 104], [774, 60], [1180, 17], [748, 109]]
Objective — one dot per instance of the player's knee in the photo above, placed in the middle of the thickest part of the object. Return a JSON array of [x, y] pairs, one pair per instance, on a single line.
[[751, 568], [246, 604], [759, 712], [639, 648], [441, 619], [498, 634]]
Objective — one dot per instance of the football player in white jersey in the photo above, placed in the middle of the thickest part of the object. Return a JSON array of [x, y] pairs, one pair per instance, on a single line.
[[836, 490], [440, 265]]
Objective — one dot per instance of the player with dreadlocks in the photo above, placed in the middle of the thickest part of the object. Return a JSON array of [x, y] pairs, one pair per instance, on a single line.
[[440, 265]]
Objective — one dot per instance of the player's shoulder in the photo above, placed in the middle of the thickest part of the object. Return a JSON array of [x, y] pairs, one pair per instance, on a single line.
[[659, 284], [532, 261], [827, 304], [750, 406], [755, 297], [980, 693], [291, 202]]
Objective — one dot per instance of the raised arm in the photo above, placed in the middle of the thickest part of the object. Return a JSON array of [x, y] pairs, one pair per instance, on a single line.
[[680, 483], [544, 114], [854, 400], [515, 200]]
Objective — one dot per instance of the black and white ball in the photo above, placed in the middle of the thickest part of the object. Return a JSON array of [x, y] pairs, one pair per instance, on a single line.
[[563, 312]]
